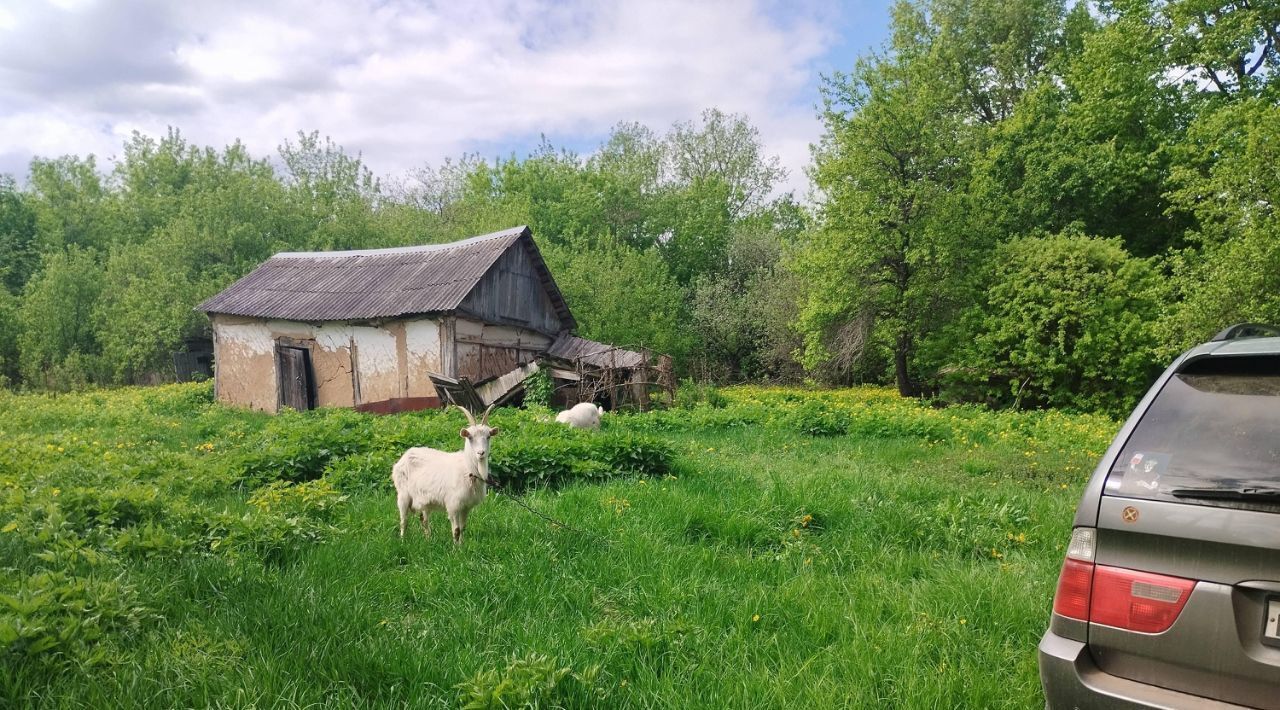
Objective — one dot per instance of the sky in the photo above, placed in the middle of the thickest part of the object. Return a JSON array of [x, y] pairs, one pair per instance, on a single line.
[[407, 83]]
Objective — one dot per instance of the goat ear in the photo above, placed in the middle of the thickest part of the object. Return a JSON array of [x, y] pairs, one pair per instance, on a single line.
[[465, 433], [493, 431]]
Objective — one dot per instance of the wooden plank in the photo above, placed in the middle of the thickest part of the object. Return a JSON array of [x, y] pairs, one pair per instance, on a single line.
[[295, 379], [502, 388]]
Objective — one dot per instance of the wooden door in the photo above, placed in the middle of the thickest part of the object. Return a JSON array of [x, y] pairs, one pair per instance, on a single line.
[[295, 378]]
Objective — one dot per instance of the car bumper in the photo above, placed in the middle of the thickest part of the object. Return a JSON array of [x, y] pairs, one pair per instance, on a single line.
[[1071, 680]]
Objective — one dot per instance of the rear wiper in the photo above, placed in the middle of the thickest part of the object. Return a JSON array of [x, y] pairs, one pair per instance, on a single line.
[[1266, 494]]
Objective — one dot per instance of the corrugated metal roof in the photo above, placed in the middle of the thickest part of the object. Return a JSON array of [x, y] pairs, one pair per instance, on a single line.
[[572, 348], [372, 283]]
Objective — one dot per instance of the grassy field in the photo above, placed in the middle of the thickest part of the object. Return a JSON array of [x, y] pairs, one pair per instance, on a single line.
[[783, 548]]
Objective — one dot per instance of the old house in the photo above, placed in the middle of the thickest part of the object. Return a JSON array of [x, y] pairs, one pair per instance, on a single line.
[[366, 328]]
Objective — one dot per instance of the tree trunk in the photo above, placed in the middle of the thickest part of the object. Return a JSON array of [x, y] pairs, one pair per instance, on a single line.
[[907, 387]]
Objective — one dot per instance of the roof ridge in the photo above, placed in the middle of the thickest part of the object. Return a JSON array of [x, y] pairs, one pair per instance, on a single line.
[[510, 232]]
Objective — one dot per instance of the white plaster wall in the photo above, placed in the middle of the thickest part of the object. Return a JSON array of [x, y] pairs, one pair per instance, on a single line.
[[377, 363], [422, 341], [250, 338], [332, 336]]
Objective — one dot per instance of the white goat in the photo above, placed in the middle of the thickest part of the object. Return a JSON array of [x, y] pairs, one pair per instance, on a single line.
[[455, 482], [583, 415]]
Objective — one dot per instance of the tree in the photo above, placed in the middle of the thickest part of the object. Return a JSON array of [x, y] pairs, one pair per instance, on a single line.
[[622, 296], [1233, 45], [1089, 146], [19, 251], [725, 149], [744, 313], [73, 205], [1229, 179], [9, 353], [57, 341], [333, 194], [888, 164]]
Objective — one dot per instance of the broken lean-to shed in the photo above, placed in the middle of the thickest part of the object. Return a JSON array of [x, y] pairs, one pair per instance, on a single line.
[[367, 328]]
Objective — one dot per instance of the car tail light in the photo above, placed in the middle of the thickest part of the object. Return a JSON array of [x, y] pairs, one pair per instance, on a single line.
[[1137, 601], [1075, 584], [1114, 596]]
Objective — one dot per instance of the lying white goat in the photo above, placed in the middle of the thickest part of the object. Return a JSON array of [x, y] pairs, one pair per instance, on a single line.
[[583, 415], [455, 482]]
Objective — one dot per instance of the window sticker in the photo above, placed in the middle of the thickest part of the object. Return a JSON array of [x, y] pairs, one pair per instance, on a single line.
[[1143, 472]]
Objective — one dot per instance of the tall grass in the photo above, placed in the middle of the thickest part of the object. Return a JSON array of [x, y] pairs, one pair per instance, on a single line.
[[894, 556]]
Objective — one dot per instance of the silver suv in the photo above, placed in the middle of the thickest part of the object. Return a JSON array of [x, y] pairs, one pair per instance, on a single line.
[[1169, 596]]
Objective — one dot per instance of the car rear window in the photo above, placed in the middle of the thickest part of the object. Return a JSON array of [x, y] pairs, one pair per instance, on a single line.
[[1215, 425]]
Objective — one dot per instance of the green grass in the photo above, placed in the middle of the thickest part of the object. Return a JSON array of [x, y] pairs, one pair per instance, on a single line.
[[907, 562]]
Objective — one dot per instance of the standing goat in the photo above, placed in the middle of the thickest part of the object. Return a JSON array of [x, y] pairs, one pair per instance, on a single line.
[[455, 482], [583, 415]]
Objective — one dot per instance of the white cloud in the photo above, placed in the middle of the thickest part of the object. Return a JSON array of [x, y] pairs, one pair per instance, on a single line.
[[401, 81]]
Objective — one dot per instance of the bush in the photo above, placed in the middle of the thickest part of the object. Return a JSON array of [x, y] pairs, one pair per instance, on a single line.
[[691, 394], [370, 471], [298, 446], [538, 389], [50, 616], [561, 455], [819, 419], [532, 681], [1068, 323], [314, 499]]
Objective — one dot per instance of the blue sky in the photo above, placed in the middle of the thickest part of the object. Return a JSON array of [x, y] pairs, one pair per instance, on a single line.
[[407, 83]]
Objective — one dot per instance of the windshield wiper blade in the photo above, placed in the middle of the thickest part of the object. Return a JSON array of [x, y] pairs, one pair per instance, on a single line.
[[1267, 494]]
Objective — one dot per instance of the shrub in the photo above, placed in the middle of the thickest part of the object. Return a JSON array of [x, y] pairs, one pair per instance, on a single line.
[[182, 399], [1068, 322], [691, 394], [313, 499], [370, 471], [561, 455], [52, 615], [532, 681], [538, 389], [119, 506], [816, 418], [297, 446]]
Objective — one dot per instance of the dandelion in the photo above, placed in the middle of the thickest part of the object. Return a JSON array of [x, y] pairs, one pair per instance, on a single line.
[[806, 520], [755, 619], [56, 491], [963, 622]]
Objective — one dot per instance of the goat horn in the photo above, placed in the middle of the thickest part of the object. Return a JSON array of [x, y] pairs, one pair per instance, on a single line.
[[484, 419], [470, 417]]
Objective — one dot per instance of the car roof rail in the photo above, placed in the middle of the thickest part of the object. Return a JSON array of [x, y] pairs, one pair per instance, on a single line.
[[1247, 330]]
